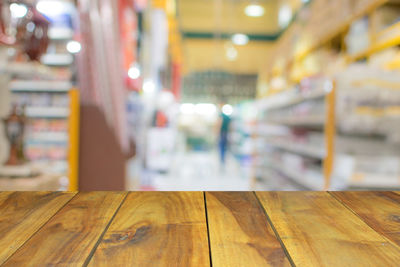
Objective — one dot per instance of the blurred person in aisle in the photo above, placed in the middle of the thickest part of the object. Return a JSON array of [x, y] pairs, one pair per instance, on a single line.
[[224, 126]]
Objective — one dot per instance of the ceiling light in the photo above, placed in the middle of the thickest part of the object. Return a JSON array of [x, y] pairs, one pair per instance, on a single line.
[[187, 108], [50, 7], [205, 109], [149, 86], [74, 47], [231, 53], [134, 72], [240, 39], [254, 10], [227, 109], [284, 16], [165, 99], [18, 10]]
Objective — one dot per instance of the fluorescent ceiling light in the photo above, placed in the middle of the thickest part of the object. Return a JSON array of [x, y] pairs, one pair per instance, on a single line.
[[18, 10], [284, 16], [149, 86], [231, 53], [74, 47], [51, 7], [254, 10], [187, 108], [227, 109], [240, 39], [205, 108], [134, 72]]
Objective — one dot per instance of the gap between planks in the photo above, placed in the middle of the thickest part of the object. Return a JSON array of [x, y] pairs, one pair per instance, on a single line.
[[275, 231], [362, 219], [41, 227], [90, 256], [208, 230]]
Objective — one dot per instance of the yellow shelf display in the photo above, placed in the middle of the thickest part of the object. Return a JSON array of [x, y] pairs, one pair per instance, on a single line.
[[294, 57]]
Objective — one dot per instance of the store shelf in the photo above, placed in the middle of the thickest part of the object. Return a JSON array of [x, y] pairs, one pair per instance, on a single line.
[[28, 69], [40, 86], [50, 137], [47, 112], [39, 183], [282, 101], [300, 178], [267, 181], [312, 120], [374, 181], [302, 149], [392, 38], [57, 59], [60, 34], [372, 159], [342, 27]]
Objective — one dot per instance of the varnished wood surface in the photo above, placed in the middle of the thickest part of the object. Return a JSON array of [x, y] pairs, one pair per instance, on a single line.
[[200, 229], [74, 230], [157, 229], [317, 230], [22, 214], [239, 232], [380, 210]]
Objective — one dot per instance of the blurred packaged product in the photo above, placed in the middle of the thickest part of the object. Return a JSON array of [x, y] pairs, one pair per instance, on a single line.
[[358, 37]]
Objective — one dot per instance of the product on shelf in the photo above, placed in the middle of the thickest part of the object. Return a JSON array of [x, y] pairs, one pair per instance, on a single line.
[[42, 88], [358, 37], [368, 101]]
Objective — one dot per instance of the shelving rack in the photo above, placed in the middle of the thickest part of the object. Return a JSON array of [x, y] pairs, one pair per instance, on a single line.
[[46, 90], [329, 152], [323, 122]]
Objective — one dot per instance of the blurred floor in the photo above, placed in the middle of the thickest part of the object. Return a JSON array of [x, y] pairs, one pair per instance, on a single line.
[[197, 171]]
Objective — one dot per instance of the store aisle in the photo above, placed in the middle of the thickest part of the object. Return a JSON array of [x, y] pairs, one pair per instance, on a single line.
[[201, 171]]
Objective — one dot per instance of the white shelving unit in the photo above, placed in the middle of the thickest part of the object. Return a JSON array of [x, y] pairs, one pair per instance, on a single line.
[[60, 34], [311, 120], [301, 149], [43, 89], [47, 112], [358, 156], [57, 59], [40, 86], [279, 122], [50, 136]]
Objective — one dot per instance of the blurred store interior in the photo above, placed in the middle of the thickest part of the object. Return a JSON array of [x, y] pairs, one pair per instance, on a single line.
[[199, 95]]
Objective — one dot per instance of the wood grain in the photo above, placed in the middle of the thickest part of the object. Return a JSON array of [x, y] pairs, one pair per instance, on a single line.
[[380, 210], [317, 230], [68, 238], [240, 234], [22, 214], [156, 229]]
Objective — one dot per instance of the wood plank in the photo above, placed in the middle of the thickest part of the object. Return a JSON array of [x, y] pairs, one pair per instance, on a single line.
[[156, 229], [240, 234], [380, 210], [22, 214], [68, 238], [317, 230]]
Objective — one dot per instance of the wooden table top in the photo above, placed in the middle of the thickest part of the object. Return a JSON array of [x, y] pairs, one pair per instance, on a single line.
[[200, 229]]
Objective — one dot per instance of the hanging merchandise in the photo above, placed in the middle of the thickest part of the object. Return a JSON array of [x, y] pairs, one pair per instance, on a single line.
[[128, 22], [104, 86], [176, 80]]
